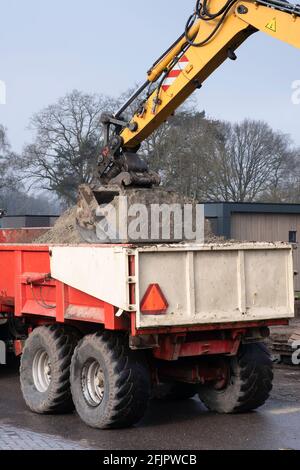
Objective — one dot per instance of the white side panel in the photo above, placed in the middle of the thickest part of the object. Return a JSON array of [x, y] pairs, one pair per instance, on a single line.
[[204, 284], [101, 272], [216, 285]]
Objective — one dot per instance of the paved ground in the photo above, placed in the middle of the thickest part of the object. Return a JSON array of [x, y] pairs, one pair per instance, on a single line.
[[12, 438], [174, 425]]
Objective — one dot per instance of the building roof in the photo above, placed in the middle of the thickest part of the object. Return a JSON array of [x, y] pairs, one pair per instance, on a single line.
[[28, 215], [256, 207]]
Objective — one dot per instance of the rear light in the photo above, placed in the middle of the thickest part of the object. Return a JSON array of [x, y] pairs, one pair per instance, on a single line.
[[154, 301]]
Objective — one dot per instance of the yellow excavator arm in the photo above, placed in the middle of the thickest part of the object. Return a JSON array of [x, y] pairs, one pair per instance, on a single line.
[[212, 34]]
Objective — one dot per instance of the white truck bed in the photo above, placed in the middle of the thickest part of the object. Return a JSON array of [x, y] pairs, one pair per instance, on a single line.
[[203, 284]]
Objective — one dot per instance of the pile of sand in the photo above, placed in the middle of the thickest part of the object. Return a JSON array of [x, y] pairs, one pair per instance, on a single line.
[[64, 231]]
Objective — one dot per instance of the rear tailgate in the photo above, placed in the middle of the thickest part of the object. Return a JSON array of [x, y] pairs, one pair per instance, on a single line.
[[216, 283]]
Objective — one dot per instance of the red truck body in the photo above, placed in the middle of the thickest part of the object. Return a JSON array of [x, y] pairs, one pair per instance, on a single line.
[[27, 291], [34, 305]]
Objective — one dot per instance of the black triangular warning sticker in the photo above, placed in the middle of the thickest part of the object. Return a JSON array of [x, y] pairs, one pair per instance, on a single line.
[[272, 25]]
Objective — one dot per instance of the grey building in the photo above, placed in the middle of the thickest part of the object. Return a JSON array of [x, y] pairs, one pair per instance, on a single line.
[[257, 222], [27, 221]]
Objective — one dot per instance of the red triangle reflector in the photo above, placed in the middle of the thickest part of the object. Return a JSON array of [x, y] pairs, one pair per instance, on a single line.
[[154, 301]]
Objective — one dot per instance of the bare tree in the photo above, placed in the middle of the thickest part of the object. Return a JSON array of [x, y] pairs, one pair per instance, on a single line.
[[288, 188], [18, 202], [253, 161], [185, 151], [219, 161], [67, 143], [13, 196], [6, 158], [200, 157]]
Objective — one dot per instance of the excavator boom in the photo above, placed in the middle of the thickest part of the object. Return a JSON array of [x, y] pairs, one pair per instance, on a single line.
[[196, 60], [212, 35]]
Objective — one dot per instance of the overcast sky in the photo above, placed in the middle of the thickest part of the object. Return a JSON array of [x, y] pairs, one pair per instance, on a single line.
[[50, 47]]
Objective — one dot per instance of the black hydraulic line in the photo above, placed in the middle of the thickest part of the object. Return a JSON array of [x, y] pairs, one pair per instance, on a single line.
[[170, 67], [138, 92], [281, 5], [202, 12], [167, 51], [197, 13], [41, 301], [135, 95]]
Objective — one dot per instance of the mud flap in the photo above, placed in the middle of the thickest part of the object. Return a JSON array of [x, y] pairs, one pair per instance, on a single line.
[[2, 353]]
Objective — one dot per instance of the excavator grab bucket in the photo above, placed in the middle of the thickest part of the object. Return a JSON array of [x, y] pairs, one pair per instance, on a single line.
[[107, 214], [88, 217]]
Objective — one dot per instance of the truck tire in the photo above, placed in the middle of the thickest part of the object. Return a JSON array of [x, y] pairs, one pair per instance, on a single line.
[[249, 383], [110, 384], [45, 369]]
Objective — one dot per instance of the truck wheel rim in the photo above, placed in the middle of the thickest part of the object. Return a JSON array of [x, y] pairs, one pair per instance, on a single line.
[[41, 371], [93, 383]]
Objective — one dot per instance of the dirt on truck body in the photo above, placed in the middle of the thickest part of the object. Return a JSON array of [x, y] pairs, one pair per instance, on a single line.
[[64, 230]]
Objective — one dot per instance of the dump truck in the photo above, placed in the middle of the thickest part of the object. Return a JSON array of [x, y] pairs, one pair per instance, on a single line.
[[104, 328], [104, 324]]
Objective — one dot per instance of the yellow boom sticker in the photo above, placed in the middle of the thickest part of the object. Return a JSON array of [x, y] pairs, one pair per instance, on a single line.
[[272, 25]]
